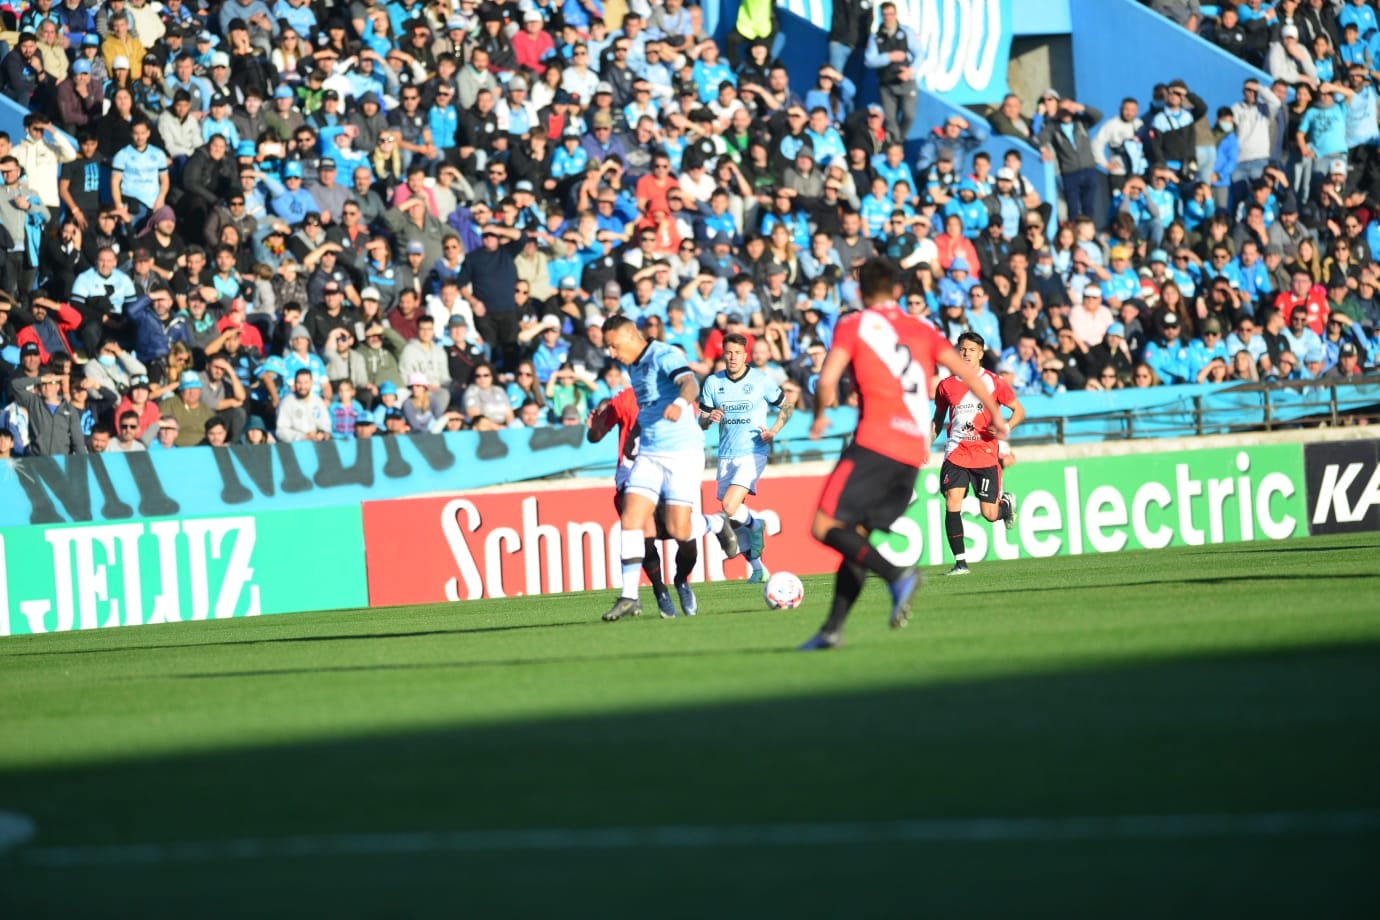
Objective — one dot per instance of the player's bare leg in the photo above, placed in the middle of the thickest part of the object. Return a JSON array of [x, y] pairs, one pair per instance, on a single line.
[[749, 528]]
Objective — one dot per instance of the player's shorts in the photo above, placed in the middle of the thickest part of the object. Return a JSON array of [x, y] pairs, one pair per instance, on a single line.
[[672, 478], [985, 483], [868, 488], [658, 515], [741, 471]]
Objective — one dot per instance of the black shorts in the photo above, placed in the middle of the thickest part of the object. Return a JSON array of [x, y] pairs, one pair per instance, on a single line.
[[985, 483], [868, 488], [658, 516]]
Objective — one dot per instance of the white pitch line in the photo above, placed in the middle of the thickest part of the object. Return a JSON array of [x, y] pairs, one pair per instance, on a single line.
[[970, 830]]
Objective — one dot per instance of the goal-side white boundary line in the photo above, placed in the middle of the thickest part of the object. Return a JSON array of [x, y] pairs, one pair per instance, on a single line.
[[972, 830]]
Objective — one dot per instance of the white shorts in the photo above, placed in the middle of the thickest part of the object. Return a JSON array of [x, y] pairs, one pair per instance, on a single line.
[[741, 471], [670, 478]]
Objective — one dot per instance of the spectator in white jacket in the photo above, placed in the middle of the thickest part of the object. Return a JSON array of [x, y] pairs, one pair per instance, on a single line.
[[302, 415], [42, 153]]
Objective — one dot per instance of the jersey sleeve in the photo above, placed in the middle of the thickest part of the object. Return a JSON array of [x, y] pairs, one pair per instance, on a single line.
[[771, 390], [671, 362], [846, 334], [1002, 392], [623, 408], [708, 402]]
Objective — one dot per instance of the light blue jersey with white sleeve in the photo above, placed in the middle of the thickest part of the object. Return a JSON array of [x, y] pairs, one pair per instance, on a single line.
[[745, 403], [656, 377]]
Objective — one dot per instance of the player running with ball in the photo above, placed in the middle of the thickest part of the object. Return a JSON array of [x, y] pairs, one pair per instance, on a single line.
[[892, 356], [737, 399], [670, 455], [971, 454]]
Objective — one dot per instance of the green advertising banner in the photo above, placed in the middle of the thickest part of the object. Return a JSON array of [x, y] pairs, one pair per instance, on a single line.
[[171, 570], [1108, 504]]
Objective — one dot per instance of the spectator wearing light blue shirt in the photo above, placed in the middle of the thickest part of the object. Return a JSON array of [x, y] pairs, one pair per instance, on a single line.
[[139, 175]]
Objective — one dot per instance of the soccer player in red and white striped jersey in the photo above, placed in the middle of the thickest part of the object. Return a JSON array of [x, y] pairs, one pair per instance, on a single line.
[[971, 454], [893, 357]]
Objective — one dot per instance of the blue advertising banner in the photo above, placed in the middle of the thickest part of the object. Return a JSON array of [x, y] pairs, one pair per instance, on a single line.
[[204, 481], [965, 45], [216, 481]]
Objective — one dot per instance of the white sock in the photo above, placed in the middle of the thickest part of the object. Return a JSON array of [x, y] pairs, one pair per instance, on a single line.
[[742, 517], [700, 524], [633, 545]]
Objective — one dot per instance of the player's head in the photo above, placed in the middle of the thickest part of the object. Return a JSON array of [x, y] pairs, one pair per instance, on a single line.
[[622, 339], [878, 281], [735, 352], [971, 347]]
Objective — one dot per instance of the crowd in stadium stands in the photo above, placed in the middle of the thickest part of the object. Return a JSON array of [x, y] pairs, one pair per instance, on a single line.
[[301, 220]]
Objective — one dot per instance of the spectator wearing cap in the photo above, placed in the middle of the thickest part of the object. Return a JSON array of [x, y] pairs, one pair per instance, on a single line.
[[219, 121], [1113, 354], [1168, 355], [289, 198], [532, 44], [302, 413], [1289, 60], [1090, 320], [1348, 365], [330, 197], [79, 98], [187, 409], [1206, 349]]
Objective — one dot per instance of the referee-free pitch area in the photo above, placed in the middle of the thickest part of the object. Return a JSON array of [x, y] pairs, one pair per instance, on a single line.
[[1190, 731]]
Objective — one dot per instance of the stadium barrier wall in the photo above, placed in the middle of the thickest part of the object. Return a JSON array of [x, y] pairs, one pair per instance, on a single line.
[[305, 474], [133, 573], [1138, 46], [465, 547], [1343, 486]]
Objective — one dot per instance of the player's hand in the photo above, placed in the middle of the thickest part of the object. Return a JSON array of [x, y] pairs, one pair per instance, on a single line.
[[999, 429], [716, 416], [672, 413], [819, 426], [766, 435]]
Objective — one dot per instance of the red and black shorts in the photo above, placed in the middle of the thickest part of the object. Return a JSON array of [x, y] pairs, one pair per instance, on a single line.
[[868, 488], [985, 483]]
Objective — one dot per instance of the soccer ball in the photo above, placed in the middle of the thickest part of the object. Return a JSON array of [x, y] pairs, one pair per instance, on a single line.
[[783, 591]]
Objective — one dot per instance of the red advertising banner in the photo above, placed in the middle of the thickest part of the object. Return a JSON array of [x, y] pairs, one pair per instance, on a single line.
[[511, 544]]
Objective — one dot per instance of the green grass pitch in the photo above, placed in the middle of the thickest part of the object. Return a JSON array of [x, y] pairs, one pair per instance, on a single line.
[[1188, 683]]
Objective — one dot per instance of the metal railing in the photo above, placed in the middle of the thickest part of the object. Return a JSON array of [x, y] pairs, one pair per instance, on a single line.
[[1315, 404]]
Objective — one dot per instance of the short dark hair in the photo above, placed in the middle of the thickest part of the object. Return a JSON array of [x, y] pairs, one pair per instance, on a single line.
[[878, 278], [615, 323], [735, 338], [974, 338]]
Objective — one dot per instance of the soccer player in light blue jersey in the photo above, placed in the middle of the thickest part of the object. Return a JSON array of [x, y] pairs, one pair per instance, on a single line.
[[670, 456], [737, 399]]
